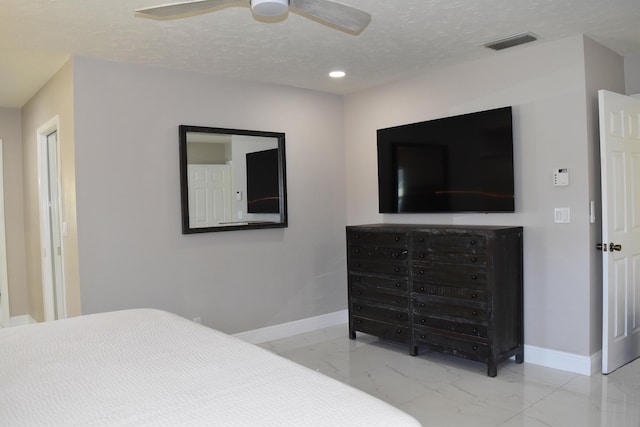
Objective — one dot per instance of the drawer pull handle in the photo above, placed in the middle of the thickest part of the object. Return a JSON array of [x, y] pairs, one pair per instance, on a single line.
[[422, 305], [423, 321], [358, 307], [398, 331], [474, 259], [357, 236], [474, 313], [398, 300], [422, 289], [358, 279], [422, 256], [398, 285], [473, 242], [357, 251], [397, 239], [474, 277], [474, 296], [423, 336], [359, 322], [421, 239], [475, 348], [397, 269], [421, 271], [358, 293], [475, 330], [398, 316], [358, 265]]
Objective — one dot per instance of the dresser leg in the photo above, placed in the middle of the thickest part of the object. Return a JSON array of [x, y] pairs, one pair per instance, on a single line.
[[352, 335], [413, 351], [492, 370], [520, 356]]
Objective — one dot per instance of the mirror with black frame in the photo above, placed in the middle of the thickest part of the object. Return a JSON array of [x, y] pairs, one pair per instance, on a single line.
[[231, 179]]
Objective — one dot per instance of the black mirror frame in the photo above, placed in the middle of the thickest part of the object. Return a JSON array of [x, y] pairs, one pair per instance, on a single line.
[[184, 190]]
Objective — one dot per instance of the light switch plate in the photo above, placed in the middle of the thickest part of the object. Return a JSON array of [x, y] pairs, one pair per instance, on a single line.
[[562, 215]]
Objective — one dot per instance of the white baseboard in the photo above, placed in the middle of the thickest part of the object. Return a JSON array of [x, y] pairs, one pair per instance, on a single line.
[[24, 319], [583, 365], [283, 330]]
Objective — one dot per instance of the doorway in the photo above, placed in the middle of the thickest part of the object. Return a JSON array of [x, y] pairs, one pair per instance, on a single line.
[[51, 225]]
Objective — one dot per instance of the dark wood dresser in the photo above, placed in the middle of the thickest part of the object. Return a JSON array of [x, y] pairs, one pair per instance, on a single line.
[[445, 288]]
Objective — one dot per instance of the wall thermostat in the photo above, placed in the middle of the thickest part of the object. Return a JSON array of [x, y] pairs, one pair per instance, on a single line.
[[560, 177]]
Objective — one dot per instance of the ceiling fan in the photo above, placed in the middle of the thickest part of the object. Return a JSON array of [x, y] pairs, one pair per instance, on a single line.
[[337, 15]]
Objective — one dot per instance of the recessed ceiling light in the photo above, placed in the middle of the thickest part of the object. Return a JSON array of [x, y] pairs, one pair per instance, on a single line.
[[337, 74]]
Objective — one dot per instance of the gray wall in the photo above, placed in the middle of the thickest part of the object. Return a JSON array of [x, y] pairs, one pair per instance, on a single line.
[[632, 74], [132, 253], [546, 85]]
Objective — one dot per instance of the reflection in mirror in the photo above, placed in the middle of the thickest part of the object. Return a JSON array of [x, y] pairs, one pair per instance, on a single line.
[[231, 179]]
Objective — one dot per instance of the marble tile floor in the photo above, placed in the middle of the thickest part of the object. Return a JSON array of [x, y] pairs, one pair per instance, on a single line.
[[441, 390]]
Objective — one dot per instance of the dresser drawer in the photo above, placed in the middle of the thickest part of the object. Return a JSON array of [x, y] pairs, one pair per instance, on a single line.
[[376, 313], [454, 275], [377, 267], [455, 292], [423, 256], [379, 295], [386, 238], [384, 253], [451, 344], [438, 309], [449, 243], [478, 330], [381, 329], [397, 284]]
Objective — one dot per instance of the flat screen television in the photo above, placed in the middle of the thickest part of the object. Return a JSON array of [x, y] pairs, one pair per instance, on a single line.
[[263, 190], [454, 164]]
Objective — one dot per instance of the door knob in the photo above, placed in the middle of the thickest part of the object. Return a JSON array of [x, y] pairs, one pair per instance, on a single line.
[[613, 247]]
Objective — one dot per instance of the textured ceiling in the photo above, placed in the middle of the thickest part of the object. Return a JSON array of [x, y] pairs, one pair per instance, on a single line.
[[405, 38]]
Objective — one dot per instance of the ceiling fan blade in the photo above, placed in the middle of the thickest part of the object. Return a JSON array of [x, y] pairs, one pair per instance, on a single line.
[[178, 10], [337, 15]]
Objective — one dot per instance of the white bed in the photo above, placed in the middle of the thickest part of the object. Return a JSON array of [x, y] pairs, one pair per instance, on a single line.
[[150, 367]]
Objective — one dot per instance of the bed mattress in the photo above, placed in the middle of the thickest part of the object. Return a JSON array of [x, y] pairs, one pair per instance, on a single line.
[[149, 367]]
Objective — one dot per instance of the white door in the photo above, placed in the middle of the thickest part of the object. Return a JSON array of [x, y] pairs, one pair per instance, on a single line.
[[51, 226], [210, 202], [620, 167]]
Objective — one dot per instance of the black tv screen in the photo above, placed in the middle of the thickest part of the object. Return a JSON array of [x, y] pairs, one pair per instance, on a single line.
[[454, 164], [263, 191]]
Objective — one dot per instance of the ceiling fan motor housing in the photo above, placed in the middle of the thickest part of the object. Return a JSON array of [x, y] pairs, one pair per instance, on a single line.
[[270, 7]]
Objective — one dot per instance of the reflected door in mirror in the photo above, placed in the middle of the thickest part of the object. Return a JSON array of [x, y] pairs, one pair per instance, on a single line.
[[209, 195]]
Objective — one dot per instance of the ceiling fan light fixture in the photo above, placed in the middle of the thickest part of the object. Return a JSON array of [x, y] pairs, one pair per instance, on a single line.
[[269, 7]]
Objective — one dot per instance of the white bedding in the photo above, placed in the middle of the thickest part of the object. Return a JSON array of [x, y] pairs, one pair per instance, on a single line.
[[150, 367]]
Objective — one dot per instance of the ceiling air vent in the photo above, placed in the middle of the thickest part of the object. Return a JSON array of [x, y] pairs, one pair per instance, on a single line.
[[512, 41]]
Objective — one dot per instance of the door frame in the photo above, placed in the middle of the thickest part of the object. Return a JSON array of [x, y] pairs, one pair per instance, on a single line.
[[48, 293], [4, 277]]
